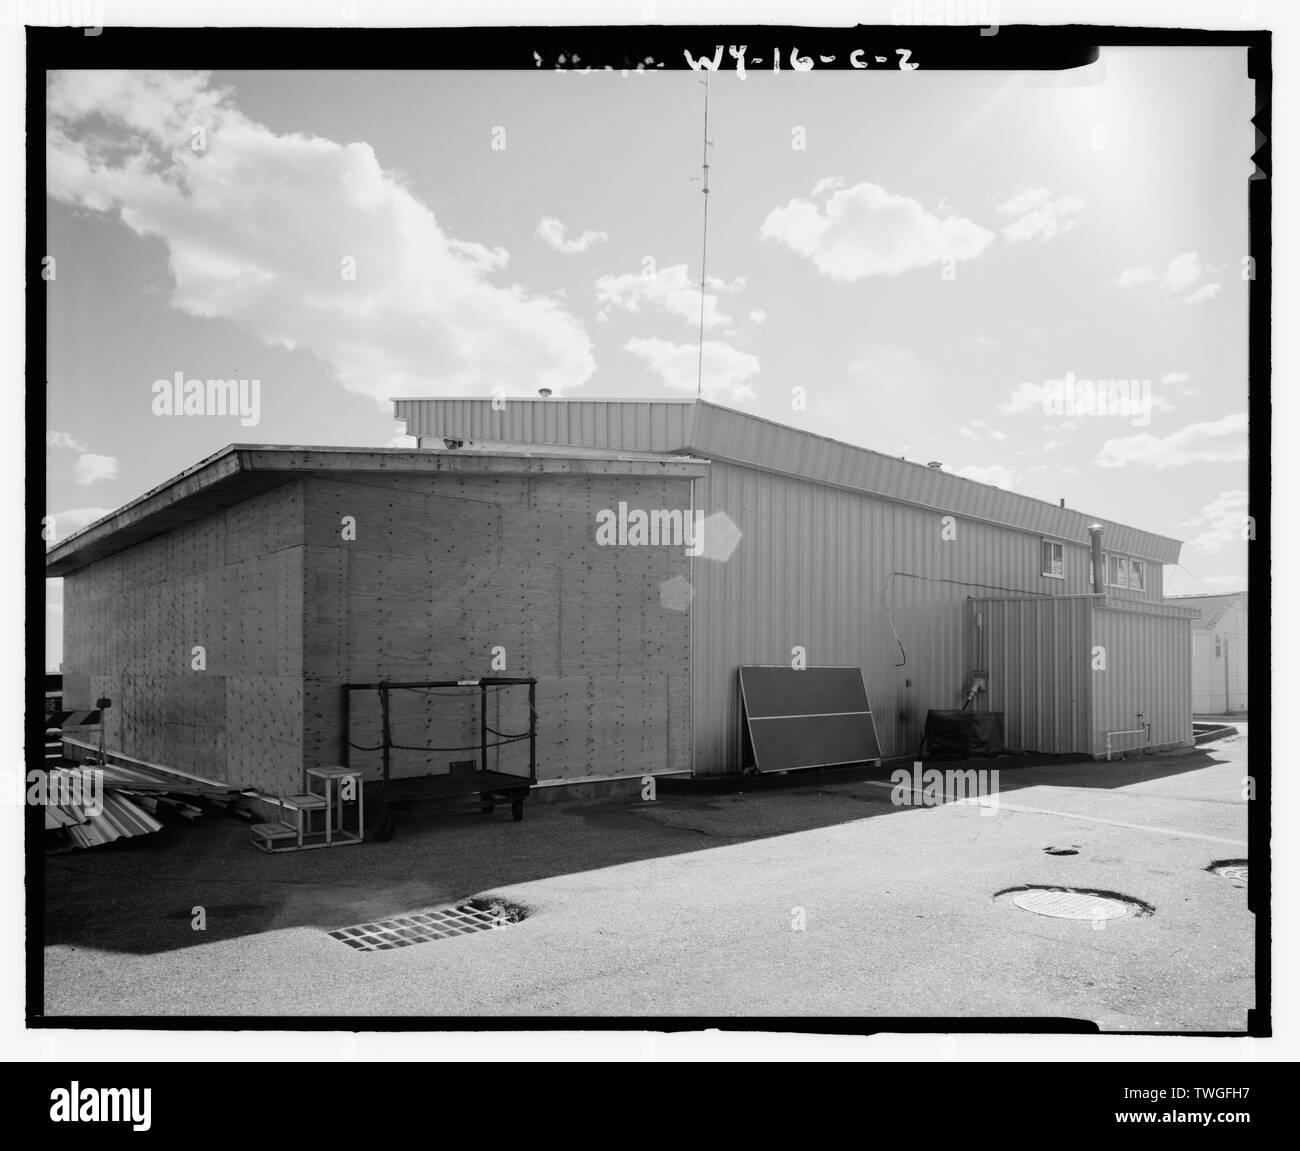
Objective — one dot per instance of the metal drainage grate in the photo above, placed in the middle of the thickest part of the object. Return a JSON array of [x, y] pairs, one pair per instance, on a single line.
[[427, 926], [1061, 850], [1070, 905], [1233, 869]]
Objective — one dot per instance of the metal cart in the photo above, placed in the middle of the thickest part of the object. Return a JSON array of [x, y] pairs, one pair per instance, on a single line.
[[467, 778]]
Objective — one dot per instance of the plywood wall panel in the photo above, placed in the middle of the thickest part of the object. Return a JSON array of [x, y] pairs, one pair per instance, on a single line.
[[232, 582], [446, 569]]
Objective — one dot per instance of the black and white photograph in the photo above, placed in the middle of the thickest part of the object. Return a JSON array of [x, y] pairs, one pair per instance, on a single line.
[[612, 525]]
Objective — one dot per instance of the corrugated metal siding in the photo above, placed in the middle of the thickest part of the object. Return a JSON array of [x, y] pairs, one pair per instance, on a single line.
[[721, 433], [1039, 656], [828, 570], [737, 436], [1036, 655], [1219, 668], [831, 561], [1220, 652], [626, 425], [1148, 670]]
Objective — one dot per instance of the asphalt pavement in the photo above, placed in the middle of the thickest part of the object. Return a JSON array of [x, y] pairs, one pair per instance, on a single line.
[[815, 896]]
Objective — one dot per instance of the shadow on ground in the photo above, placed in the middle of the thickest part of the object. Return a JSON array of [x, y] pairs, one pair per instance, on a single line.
[[144, 895]]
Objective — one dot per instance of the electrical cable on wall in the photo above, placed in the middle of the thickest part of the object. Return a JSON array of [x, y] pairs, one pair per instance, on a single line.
[[936, 580]]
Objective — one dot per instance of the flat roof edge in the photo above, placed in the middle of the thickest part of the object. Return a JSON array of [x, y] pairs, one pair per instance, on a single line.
[[240, 471]]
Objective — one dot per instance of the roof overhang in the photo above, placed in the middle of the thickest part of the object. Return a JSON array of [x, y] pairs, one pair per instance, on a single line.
[[241, 471]]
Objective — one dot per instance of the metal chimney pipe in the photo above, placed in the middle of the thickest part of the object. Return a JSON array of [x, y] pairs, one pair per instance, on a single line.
[[1098, 575]]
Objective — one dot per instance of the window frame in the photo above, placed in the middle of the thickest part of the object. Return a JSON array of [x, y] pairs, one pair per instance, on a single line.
[[1057, 554], [1119, 565]]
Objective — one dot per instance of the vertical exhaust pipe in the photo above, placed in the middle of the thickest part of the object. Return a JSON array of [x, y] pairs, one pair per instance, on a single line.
[[1098, 575]]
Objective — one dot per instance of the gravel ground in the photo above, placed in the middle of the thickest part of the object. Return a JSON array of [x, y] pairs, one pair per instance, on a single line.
[[815, 897]]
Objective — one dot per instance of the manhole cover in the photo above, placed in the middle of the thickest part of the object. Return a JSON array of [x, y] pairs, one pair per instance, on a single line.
[[427, 926], [1233, 869], [1070, 905], [1075, 902]]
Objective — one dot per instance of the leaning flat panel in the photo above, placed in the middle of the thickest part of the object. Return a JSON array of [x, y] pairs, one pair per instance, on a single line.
[[809, 717]]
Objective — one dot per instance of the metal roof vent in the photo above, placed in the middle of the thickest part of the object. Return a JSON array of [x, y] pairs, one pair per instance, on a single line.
[[936, 465], [545, 393]]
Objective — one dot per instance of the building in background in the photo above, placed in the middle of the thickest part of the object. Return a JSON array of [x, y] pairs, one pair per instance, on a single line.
[[1220, 647]]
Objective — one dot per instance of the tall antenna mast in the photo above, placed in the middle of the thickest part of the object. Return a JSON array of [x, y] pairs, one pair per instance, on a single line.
[[704, 249]]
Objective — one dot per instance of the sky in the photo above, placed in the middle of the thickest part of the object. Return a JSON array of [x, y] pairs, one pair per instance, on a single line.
[[916, 262]]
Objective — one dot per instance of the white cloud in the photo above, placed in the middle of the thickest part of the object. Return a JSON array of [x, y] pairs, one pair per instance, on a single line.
[[1223, 521], [978, 429], [726, 369], [1037, 215], [1130, 277], [669, 290], [553, 233], [1025, 397], [1024, 200], [91, 468], [63, 440], [1045, 448], [258, 226], [758, 316], [865, 231], [999, 475], [1181, 273], [1180, 381], [1220, 441], [74, 519], [1203, 293], [1083, 396]]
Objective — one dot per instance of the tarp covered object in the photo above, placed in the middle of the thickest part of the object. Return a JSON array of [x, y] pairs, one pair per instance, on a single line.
[[962, 734]]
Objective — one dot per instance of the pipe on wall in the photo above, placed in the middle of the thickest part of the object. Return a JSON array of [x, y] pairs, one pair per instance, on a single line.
[[1098, 575]]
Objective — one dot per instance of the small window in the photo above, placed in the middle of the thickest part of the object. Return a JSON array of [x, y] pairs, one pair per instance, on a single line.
[[1053, 559], [1137, 576], [1116, 571]]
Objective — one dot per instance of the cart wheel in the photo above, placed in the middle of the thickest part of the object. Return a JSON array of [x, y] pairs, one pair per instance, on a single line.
[[384, 829], [517, 810]]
